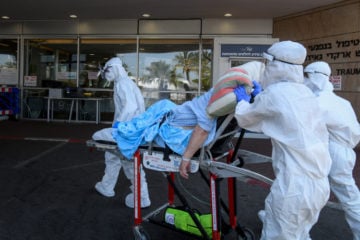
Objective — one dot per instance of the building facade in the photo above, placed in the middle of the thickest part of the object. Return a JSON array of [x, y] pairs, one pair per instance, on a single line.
[[330, 34], [55, 63]]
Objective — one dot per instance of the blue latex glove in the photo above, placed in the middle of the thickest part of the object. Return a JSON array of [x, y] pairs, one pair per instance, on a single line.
[[241, 94], [257, 88]]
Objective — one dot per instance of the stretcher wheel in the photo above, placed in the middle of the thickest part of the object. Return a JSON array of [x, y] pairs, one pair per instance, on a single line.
[[141, 234], [249, 234]]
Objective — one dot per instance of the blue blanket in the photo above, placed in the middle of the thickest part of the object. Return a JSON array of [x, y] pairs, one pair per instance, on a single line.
[[146, 128]]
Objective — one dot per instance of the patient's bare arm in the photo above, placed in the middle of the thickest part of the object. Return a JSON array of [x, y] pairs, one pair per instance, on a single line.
[[197, 139]]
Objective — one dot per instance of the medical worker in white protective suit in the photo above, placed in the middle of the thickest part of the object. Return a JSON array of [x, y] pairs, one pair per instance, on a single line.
[[287, 111], [344, 130], [129, 103]]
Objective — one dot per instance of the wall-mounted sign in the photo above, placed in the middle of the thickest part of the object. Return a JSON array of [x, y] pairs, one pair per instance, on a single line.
[[243, 50], [30, 81], [336, 81], [343, 55]]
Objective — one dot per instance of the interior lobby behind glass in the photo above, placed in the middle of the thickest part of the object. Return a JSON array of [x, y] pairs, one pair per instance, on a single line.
[[177, 69]]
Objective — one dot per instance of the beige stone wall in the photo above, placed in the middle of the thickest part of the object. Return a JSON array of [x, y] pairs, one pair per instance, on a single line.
[[330, 34]]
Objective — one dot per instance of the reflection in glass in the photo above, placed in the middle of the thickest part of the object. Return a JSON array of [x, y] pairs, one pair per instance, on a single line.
[[51, 62], [175, 69], [8, 62], [170, 68], [34, 103], [96, 52], [206, 64]]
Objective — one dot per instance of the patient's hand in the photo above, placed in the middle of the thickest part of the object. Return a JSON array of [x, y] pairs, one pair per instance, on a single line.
[[184, 169]]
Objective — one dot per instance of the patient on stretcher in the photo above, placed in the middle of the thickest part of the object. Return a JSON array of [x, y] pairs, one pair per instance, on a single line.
[[184, 128], [163, 122]]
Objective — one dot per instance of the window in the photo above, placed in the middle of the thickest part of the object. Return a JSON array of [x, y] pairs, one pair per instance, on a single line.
[[51, 62], [8, 62], [170, 68], [176, 69], [95, 52]]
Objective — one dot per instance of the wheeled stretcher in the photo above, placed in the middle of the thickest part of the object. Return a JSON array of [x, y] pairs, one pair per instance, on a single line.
[[220, 159]]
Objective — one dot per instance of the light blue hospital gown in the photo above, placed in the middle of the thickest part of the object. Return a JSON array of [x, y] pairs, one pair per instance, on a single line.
[[146, 127]]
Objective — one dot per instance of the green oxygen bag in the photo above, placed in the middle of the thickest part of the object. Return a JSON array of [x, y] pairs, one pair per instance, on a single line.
[[181, 219]]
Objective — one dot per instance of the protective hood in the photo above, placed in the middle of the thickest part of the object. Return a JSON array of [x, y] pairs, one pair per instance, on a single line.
[[281, 72], [284, 63], [317, 77], [286, 51], [113, 70], [318, 67]]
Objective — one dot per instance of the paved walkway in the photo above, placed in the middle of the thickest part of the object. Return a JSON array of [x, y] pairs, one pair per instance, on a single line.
[[47, 176]]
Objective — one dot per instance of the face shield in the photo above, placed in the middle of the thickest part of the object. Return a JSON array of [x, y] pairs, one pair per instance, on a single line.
[[278, 70], [106, 73], [268, 58], [112, 71]]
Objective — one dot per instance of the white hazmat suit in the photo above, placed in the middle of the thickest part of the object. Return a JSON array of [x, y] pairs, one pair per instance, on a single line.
[[344, 130], [129, 103], [288, 113]]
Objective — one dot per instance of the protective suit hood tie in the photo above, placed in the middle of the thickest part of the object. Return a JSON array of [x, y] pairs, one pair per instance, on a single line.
[[319, 73], [271, 58]]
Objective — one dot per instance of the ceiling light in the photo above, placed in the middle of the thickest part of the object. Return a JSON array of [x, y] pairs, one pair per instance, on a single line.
[[146, 15], [227, 15], [5, 17], [72, 16]]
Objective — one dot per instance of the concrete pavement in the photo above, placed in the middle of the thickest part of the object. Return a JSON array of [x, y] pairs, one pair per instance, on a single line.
[[47, 177]]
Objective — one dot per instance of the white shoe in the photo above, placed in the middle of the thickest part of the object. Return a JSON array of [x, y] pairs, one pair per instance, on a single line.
[[129, 201], [100, 188]]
